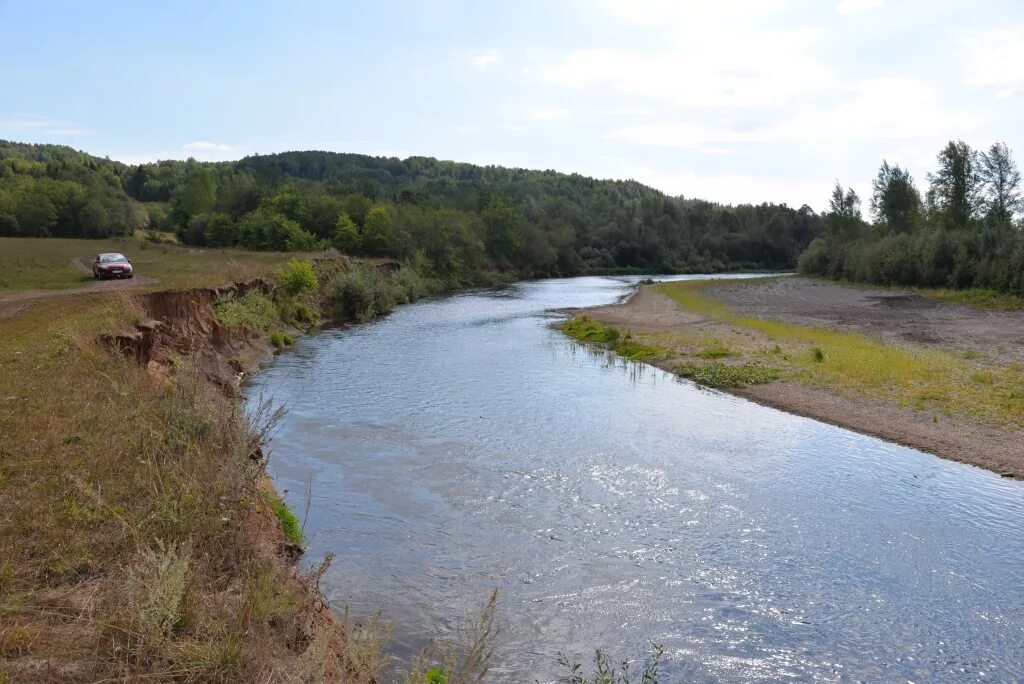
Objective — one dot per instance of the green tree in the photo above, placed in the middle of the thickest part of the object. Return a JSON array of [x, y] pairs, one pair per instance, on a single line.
[[895, 202], [502, 221], [196, 195], [844, 217], [954, 186], [1000, 182], [346, 235], [379, 231]]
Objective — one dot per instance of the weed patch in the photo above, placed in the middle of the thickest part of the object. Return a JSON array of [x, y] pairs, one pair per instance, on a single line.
[[722, 375], [254, 310]]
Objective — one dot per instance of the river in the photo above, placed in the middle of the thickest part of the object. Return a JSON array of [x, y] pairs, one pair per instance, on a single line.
[[460, 445]]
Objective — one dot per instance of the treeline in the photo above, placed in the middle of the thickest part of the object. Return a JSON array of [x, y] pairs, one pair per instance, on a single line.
[[464, 219], [55, 191], [962, 233]]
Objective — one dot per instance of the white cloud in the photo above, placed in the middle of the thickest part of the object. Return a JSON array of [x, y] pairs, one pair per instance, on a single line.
[[70, 132], [728, 188], [205, 150], [751, 70], [993, 57], [39, 126], [875, 109], [484, 59], [676, 13], [858, 6], [206, 145], [549, 114]]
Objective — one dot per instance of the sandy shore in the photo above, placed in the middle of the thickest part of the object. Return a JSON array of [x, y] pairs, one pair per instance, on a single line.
[[906, 320]]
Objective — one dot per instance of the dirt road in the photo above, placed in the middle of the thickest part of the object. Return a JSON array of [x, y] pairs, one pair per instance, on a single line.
[[15, 302]]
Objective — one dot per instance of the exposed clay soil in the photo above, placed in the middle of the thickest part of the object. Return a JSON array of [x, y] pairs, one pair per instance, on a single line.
[[902, 319], [949, 326]]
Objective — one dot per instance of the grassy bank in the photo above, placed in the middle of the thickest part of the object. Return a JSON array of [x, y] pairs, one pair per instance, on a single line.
[[135, 541]]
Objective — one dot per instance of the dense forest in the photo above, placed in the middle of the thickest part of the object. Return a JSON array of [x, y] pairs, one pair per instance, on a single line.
[[461, 218], [963, 233]]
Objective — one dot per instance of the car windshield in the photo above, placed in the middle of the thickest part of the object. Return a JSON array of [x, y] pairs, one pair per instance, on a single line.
[[111, 258]]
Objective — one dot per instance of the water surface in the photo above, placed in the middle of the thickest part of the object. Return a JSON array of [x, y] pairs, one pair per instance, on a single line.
[[460, 445]]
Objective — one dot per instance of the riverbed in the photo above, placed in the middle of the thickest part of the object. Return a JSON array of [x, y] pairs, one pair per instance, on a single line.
[[461, 445]]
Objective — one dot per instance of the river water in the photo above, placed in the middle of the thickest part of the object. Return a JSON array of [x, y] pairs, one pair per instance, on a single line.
[[461, 445]]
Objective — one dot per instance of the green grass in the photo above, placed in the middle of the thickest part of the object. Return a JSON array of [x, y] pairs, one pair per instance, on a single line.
[[585, 329], [727, 375], [281, 340], [254, 310], [46, 263], [978, 298], [715, 352], [289, 522], [923, 379]]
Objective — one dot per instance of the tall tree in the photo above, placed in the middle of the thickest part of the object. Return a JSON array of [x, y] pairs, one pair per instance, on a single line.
[[843, 217], [196, 195], [954, 186], [1000, 183], [895, 202]]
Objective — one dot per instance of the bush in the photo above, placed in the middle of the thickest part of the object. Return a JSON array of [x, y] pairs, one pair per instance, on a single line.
[[363, 291], [297, 278], [254, 310]]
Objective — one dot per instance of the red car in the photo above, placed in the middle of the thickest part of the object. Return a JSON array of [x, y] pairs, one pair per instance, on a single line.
[[111, 265]]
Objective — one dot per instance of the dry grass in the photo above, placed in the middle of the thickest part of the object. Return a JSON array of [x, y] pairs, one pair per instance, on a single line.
[[134, 541]]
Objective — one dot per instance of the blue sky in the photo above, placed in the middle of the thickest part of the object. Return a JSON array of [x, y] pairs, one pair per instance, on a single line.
[[731, 100]]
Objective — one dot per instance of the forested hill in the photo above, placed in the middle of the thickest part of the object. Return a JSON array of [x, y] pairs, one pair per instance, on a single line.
[[464, 218]]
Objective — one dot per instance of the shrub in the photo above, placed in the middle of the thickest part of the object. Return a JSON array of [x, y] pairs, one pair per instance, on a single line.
[[254, 310], [297, 278]]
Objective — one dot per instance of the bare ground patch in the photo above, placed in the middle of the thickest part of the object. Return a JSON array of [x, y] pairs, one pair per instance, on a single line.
[[901, 319]]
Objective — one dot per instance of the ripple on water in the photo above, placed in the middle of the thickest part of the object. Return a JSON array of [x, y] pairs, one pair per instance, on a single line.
[[460, 445]]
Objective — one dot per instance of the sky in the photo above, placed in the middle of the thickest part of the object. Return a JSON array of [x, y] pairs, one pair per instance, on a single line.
[[727, 100]]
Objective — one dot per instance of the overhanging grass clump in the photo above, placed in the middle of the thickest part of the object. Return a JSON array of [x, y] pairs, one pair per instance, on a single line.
[[290, 524], [721, 375]]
